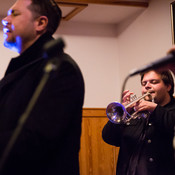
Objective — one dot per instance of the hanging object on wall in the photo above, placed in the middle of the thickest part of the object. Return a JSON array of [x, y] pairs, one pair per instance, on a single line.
[[172, 10]]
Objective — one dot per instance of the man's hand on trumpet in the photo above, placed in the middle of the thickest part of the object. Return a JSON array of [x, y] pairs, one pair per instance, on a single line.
[[126, 98], [139, 106], [144, 105]]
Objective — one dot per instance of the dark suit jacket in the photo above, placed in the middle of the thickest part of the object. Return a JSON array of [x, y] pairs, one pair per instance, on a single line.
[[50, 139], [145, 146]]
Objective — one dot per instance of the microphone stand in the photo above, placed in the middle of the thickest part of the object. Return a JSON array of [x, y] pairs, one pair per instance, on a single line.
[[52, 65]]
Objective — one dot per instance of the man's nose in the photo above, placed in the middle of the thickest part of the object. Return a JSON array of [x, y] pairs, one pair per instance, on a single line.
[[5, 21], [148, 85]]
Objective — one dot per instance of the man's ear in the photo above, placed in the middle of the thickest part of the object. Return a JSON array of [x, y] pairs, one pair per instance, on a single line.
[[169, 87], [41, 24]]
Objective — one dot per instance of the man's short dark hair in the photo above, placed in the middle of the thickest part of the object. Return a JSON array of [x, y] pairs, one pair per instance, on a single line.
[[47, 8], [166, 77]]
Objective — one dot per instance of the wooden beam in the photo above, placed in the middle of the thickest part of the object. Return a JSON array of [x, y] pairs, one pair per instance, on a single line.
[[77, 8], [136, 3]]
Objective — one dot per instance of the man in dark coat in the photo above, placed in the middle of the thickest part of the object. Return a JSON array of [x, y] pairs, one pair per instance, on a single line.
[[146, 144], [49, 141]]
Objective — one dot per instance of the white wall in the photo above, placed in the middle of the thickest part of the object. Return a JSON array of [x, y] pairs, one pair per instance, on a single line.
[[98, 60], [105, 60], [145, 40]]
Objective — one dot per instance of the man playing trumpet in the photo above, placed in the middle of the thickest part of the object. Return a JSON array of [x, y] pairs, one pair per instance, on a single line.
[[146, 146]]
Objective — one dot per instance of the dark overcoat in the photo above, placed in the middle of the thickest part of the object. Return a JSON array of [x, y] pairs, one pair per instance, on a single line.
[[50, 138]]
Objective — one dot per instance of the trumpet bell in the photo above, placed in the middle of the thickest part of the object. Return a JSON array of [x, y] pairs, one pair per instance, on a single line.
[[116, 113]]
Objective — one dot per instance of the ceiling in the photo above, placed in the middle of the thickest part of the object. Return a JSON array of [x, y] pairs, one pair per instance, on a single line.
[[100, 11], [94, 11], [108, 12], [99, 17]]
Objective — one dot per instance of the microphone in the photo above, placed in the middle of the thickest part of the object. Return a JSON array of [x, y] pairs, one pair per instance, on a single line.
[[170, 58], [53, 47]]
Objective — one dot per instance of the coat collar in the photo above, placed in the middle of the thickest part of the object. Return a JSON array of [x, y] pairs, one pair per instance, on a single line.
[[34, 52]]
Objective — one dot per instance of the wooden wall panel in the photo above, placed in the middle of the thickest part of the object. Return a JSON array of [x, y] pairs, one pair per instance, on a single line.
[[96, 157]]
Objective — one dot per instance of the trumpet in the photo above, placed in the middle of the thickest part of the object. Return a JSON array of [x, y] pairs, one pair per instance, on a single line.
[[117, 113]]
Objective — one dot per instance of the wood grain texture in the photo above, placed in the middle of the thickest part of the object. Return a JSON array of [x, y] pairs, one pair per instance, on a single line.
[[96, 157]]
